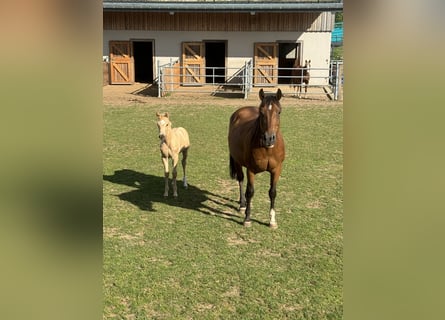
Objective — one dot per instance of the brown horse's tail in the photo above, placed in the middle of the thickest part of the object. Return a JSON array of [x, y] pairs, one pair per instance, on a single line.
[[233, 172]]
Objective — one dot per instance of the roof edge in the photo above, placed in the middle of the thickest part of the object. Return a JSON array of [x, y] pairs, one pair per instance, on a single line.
[[222, 6]]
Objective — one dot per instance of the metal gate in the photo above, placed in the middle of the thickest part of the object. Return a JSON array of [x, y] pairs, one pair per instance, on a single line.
[[171, 78]]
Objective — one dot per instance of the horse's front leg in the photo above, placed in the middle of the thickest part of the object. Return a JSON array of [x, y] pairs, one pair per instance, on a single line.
[[166, 174], [250, 190], [184, 164], [274, 176], [175, 159]]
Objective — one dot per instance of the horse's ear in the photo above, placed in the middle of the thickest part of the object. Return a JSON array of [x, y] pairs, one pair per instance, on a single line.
[[261, 94], [166, 115], [279, 94], [158, 114]]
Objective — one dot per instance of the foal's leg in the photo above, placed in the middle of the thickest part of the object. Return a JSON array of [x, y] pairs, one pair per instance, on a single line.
[[175, 159], [250, 190], [166, 174], [184, 164], [274, 176]]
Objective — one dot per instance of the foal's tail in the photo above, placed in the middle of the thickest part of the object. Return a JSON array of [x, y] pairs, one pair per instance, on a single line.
[[233, 173]]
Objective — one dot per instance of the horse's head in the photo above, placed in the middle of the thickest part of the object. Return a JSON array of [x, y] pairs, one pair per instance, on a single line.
[[164, 124], [307, 64], [269, 118]]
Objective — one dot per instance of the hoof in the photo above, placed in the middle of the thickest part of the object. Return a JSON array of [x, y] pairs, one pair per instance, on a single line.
[[273, 225], [247, 224]]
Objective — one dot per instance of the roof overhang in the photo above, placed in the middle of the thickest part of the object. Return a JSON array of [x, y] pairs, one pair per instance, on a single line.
[[228, 6]]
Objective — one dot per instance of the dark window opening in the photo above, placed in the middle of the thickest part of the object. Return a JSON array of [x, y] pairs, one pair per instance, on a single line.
[[288, 52], [143, 61], [215, 57]]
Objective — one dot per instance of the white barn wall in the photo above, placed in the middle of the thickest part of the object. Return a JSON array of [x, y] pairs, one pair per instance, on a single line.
[[240, 46]]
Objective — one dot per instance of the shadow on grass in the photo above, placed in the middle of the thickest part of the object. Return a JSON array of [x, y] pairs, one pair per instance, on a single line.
[[149, 189]]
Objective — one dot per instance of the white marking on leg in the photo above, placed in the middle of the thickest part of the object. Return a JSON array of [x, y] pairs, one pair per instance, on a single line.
[[184, 180], [273, 223]]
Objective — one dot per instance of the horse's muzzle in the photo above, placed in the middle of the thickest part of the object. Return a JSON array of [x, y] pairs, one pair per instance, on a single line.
[[269, 140]]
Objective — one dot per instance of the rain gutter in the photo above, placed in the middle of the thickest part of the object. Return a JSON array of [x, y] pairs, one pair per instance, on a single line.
[[222, 6]]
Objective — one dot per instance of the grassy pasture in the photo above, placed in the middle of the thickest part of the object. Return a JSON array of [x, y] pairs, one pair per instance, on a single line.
[[191, 258]]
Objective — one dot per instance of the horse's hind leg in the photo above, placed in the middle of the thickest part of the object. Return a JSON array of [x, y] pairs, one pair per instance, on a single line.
[[175, 159], [236, 172], [242, 197], [250, 190], [184, 164]]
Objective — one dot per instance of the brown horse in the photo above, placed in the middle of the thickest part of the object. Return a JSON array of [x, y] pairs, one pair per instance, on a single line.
[[300, 74], [173, 142], [255, 142]]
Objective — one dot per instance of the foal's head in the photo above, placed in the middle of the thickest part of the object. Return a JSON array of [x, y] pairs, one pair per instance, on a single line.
[[164, 124], [269, 118]]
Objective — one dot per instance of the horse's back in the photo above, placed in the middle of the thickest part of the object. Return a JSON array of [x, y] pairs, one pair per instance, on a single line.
[[241, 131], [244, 114], [182, 137], [242, 123]]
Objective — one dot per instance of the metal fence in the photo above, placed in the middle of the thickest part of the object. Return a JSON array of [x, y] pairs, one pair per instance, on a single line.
[[336, 78], [172, 77]]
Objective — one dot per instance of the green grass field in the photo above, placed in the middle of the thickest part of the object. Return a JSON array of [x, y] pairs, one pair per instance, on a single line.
[[191, 258]]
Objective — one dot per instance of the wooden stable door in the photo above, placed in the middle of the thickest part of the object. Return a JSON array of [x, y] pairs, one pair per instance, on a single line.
[[265, 64], [193, 62], [121, 63]]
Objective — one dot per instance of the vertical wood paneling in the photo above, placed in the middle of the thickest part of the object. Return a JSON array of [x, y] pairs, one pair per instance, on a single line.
[[163, 21]]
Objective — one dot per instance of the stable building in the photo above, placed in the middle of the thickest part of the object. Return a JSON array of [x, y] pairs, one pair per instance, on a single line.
[[214, 41]]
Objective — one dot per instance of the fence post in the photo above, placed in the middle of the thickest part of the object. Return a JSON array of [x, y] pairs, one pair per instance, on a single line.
[[159, 79], [336, 81], [340, 82], [338, 88], [245, 81]]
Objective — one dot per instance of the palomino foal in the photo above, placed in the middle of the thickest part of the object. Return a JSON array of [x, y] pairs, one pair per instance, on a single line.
[[173, 142]]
